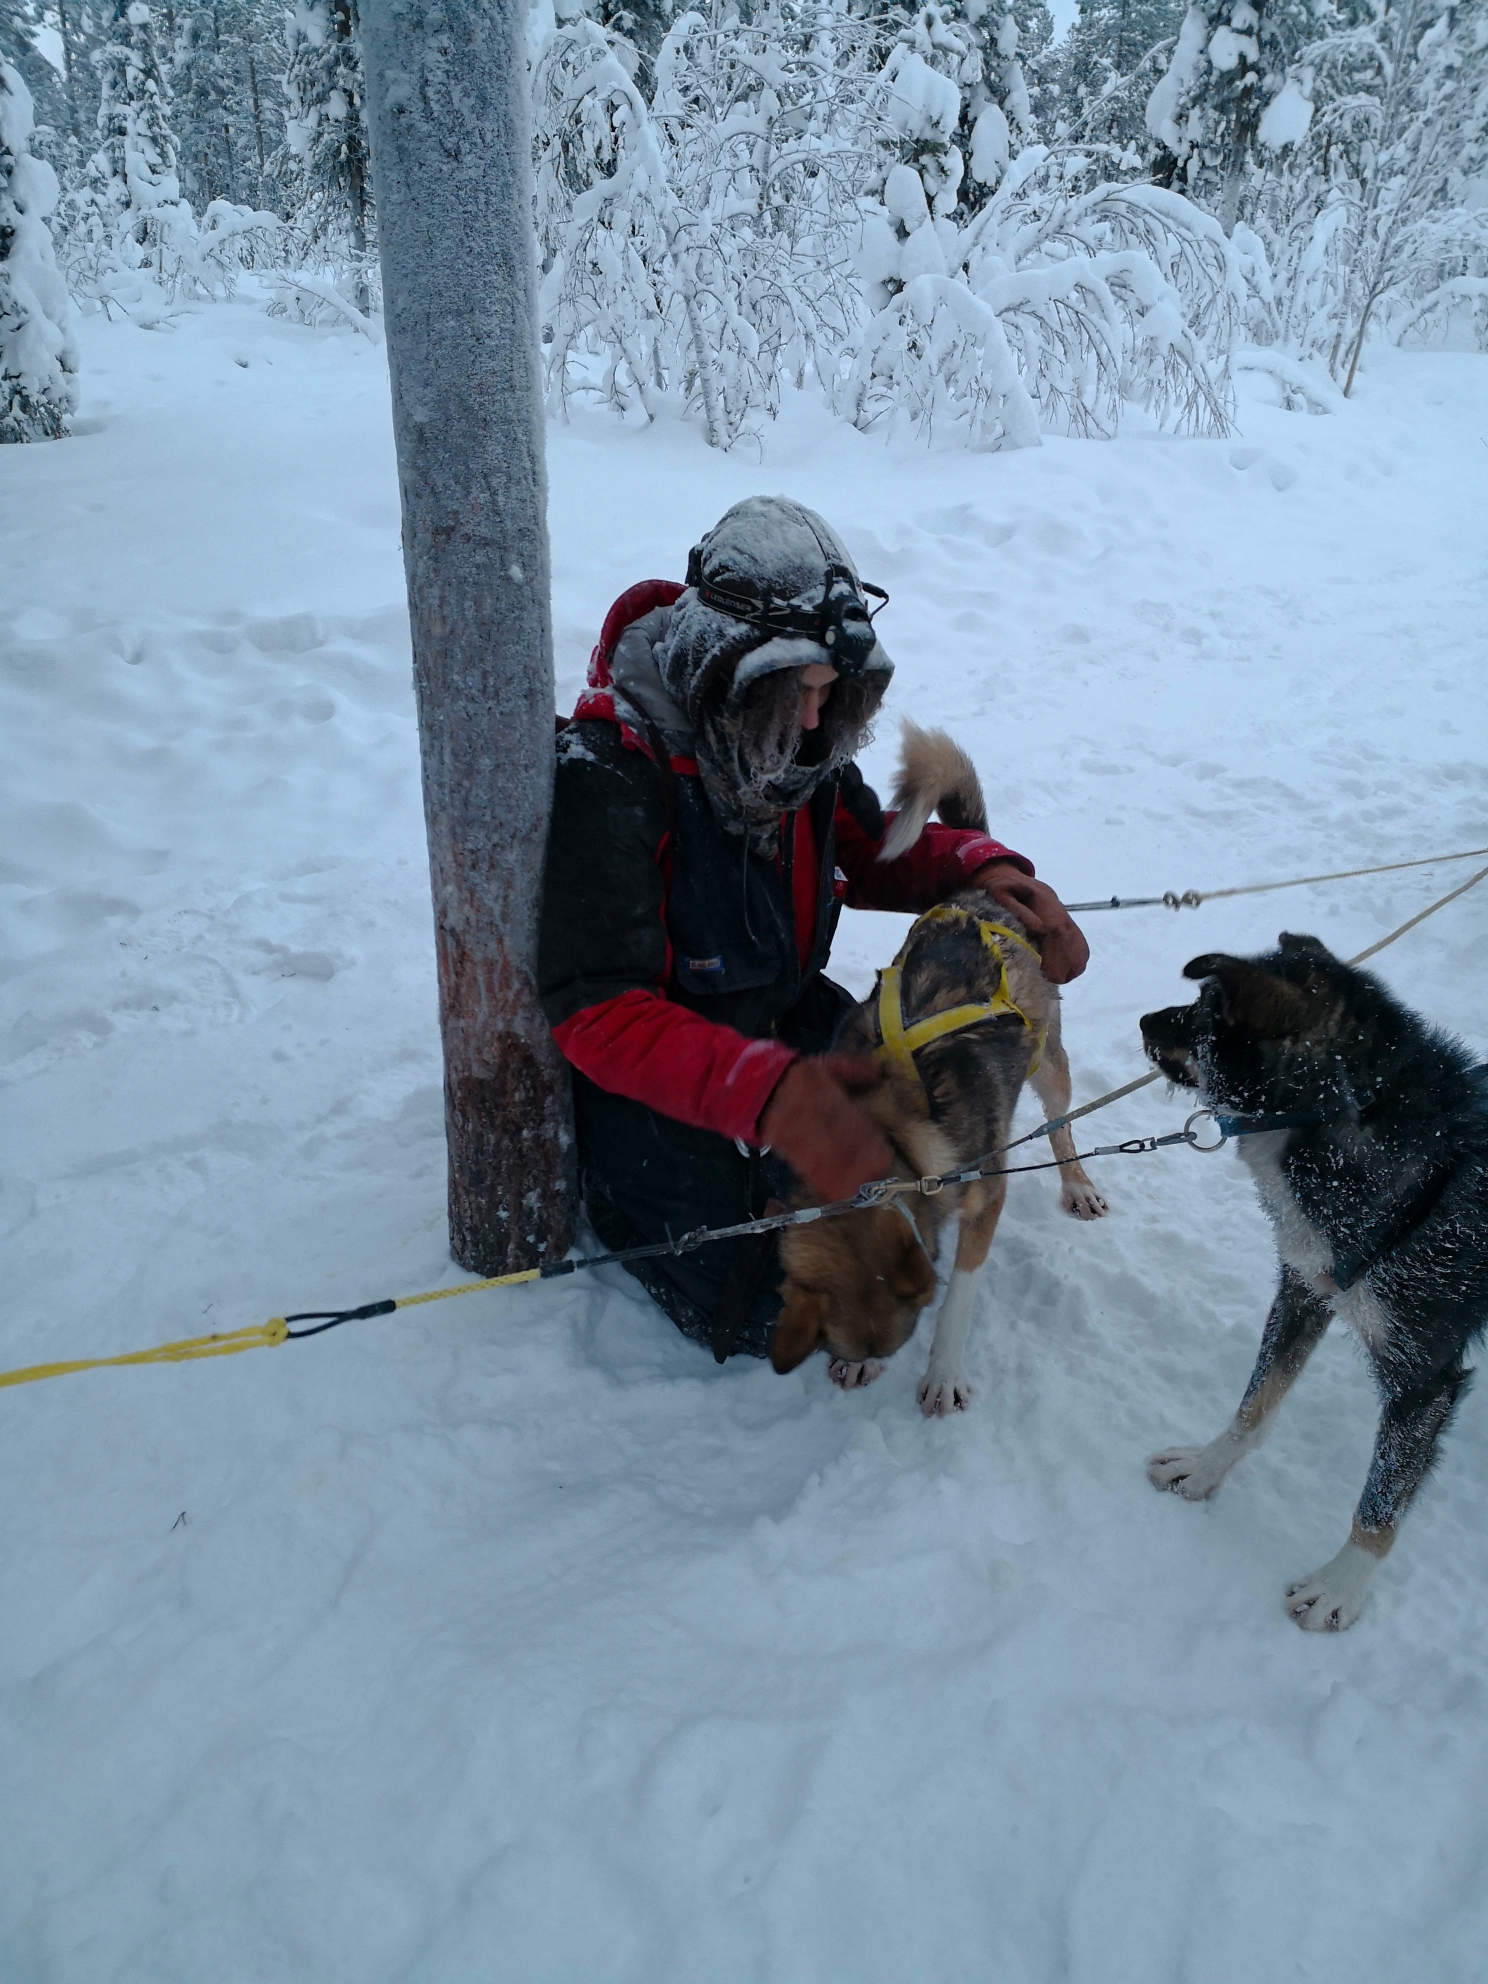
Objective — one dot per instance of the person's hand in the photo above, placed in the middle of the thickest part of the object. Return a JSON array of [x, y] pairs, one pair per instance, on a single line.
[[815, 1123], [1062, 949]]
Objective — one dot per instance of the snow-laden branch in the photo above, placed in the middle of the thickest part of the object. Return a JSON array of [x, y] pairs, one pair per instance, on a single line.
[[325, 291], [1298, 379], [698, 248]]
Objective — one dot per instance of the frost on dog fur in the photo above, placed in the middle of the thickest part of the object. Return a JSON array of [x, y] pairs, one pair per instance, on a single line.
[[1379, 1206]]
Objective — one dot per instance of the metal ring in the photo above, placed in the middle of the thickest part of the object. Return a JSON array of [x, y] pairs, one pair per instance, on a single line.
[[928, 1187], [1192, 1141]]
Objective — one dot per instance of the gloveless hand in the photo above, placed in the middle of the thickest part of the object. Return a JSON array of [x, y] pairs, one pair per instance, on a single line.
[[1061, 946]]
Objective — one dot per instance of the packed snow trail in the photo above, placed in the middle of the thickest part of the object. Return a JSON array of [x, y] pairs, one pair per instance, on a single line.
[[512, 1638]]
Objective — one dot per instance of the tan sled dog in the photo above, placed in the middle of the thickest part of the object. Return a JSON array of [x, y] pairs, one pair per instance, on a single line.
[[963, 1017]]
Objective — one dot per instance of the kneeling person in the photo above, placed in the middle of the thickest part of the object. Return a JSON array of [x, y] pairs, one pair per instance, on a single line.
[[709, 823]]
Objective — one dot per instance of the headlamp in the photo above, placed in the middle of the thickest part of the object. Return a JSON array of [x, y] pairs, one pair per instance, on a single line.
[[840, 620]]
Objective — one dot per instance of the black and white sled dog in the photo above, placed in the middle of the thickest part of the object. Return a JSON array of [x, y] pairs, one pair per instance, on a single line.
[[1378, 1193]]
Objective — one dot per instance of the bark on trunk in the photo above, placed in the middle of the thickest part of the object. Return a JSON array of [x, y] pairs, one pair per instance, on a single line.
[[451, 152]]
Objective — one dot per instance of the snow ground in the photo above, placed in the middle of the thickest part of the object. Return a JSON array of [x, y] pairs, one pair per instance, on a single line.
[[513, 1640]]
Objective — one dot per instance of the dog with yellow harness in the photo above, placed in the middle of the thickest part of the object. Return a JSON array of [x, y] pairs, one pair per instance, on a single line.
[[961, 1019]]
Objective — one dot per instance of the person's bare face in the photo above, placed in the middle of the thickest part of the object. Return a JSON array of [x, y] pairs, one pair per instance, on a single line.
[[816, 679]]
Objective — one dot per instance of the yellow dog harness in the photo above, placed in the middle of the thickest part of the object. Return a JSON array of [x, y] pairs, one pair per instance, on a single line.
[[900, 1042]]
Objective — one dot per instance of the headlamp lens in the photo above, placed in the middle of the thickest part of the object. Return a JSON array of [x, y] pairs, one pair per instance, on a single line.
[[847, 633]]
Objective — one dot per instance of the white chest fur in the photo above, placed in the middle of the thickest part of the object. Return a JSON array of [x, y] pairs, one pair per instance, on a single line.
[[1300, 1244]]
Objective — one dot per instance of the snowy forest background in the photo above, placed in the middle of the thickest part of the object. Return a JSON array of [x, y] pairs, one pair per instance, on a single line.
[[511, 1637], [944, 215]]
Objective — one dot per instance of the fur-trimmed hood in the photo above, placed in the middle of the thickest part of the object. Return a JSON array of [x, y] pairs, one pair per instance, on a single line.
[[715, 685]]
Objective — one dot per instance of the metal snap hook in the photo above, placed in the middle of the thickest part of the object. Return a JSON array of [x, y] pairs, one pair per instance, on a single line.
[[1192, 1140]]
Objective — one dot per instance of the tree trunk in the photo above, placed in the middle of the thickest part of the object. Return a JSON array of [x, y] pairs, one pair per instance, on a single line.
[[72, 110], [448, 122], [257, 119], [1348, 384]]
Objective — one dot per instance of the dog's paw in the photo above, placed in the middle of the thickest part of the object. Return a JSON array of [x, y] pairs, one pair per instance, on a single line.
[[1083, 1201], [1192, 1472], [851, 1377], [941, 1396], [1331, 1599]]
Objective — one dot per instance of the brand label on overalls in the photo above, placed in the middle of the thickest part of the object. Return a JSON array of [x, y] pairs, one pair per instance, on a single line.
[[703, 964]]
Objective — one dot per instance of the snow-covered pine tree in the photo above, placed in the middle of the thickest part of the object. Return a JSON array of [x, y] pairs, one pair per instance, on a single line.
[[77, 25], [127, 229], [1060, 298], [38, 361], [606, 222], [323, 165], [264, 57], [1231, 59], [1111, 60], [202, 89], [1040, 57], [21, 23], [958, 97], [643, 23], [226, 79]]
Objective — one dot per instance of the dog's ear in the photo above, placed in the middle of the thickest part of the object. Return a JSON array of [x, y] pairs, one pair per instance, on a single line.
[[798, 1328], [1267, 1008], [1210, 965], [913, 1280], [1293, 946]]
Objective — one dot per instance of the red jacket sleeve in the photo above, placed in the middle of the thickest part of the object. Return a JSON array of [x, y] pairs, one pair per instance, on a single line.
[[643, 1045], [941, 861]]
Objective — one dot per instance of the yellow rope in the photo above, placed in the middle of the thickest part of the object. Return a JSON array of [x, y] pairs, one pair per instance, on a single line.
[[257, 1335], [469, 1288]]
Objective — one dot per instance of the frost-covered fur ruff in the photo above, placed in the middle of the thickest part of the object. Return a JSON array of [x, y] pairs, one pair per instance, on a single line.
[[1380, 1211], [735, 685], [855, 1285]]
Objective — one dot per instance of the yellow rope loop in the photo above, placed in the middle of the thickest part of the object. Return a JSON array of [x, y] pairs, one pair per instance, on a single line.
[[255, 1337]]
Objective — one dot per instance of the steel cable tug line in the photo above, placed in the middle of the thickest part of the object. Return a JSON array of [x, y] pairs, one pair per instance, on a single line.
[[881, 1191]]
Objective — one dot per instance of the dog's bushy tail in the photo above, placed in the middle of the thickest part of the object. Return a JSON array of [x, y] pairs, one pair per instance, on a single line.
[[934, 776]]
